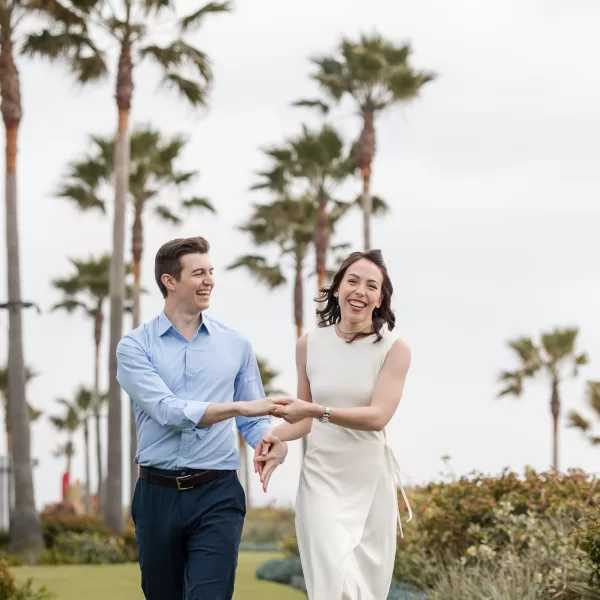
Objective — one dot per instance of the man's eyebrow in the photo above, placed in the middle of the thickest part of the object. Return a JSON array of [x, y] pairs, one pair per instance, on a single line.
[[202, 269]]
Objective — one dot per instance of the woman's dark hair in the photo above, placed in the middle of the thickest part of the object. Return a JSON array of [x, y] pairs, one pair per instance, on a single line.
[[330, 314]]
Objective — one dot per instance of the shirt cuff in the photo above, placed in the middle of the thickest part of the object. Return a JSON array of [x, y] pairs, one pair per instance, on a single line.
[[194, 411]]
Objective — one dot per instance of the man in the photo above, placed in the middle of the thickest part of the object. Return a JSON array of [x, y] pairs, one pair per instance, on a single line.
[[187, 376]]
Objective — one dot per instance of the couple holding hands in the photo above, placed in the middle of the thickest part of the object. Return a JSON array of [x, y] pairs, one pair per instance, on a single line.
[[188, 375]]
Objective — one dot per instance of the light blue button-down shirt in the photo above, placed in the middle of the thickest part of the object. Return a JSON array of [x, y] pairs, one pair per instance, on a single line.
[[171, 383]]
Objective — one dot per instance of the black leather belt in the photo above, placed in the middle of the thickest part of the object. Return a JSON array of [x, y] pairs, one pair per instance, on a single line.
[[183, 482]]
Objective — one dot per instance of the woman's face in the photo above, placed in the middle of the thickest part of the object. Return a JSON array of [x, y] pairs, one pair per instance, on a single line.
[[359, 293]]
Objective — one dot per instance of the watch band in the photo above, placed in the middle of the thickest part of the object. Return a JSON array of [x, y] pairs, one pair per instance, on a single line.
[[325, 417]]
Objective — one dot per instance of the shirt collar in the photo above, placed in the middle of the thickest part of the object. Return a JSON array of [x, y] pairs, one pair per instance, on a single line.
[[164, 324]]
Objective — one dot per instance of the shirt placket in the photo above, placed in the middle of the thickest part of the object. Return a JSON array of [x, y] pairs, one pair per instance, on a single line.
[[186, 436]]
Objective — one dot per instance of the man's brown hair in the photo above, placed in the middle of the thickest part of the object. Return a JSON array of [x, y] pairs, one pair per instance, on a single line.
[[167, 261]]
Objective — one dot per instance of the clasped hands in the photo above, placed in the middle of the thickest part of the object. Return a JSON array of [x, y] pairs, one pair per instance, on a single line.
[[271, 451]]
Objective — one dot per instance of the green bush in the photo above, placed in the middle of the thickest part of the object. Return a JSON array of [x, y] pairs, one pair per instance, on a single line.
[[478, 528], [56, 525], [403, 591], [298, 583], [264, 526], [10, 591], [280, 571], [88, 549]]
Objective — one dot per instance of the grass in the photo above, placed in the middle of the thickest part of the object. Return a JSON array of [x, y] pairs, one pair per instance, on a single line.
[[122, 582]]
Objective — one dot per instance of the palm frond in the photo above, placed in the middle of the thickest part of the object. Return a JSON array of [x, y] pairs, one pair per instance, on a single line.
[[196, 202], [61, 13], [319, 104], [529, 355], [194, 19], [189, 89], [149, 5], [578, 422], [513, 381], [82, 57], [89, 68], [593, 396], [259, 268], [83, 198], [379, 207], [166, 214], [70, 306]]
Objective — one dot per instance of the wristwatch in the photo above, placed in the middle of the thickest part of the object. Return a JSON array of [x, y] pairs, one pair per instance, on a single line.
[[325, 417]]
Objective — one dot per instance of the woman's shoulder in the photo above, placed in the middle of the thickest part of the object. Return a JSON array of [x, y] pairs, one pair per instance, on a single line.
[[314, 336]]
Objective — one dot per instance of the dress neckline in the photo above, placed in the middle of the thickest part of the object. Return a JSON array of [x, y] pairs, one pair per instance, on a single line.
[[341, 339]]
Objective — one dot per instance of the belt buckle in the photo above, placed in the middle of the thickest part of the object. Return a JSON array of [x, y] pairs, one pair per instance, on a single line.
[[179, 486]]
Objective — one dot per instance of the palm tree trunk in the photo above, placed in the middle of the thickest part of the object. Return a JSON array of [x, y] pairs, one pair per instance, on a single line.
[[137, 247], [298, 298], [298, 316], [244, 470], [555, 409], [98, 323], [69, 450], [366, 153], [322, 240], [113, 512], [86, 443], [367, 207], [25, 528]]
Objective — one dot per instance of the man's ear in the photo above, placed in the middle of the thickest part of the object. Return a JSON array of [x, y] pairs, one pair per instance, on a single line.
[[168, 281]]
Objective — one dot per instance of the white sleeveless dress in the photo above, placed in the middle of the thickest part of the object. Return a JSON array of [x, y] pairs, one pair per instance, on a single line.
[[347, 506]]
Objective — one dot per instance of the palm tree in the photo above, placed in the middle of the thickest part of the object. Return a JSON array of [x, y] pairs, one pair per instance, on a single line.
[[26, 531], [74, 25], [152, 174], [289, 225], [578, 421], [87, 290], [69, 423], [556, 351], [375, 73], [316, 161], [85, 404], [34, 414]]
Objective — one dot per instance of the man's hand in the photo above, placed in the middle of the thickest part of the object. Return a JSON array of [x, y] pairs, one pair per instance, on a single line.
[[259, 408], [294, 410], [268, 455]]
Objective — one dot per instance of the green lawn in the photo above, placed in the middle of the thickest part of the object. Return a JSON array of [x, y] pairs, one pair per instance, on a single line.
[[122, 582]]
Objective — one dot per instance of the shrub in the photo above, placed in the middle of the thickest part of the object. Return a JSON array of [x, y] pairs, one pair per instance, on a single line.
[[56, 525], [289, 546], [267, 526], [8, 586], [298, 583], [280, 571], [471, 527], [403, 591], [89, 549], [10, 591]]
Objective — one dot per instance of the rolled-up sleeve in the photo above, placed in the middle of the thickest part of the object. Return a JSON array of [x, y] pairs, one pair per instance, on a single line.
[[248, 387], [148, 392]]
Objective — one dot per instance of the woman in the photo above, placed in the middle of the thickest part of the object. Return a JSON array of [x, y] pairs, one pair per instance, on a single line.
[[351, 374]]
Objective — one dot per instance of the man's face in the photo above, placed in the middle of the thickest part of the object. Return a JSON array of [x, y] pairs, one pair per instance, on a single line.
[[195, 283]]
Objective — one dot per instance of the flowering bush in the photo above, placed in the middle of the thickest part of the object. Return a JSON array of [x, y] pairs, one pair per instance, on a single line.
[[513, 533]]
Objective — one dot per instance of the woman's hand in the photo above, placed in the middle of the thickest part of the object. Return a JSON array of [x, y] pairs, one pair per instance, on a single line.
[[295, 410]]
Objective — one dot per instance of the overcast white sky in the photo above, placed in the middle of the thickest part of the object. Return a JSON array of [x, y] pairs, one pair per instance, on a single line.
[[494, 181]]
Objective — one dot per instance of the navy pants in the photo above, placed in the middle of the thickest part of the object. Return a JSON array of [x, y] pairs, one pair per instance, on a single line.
[[188, 541]]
